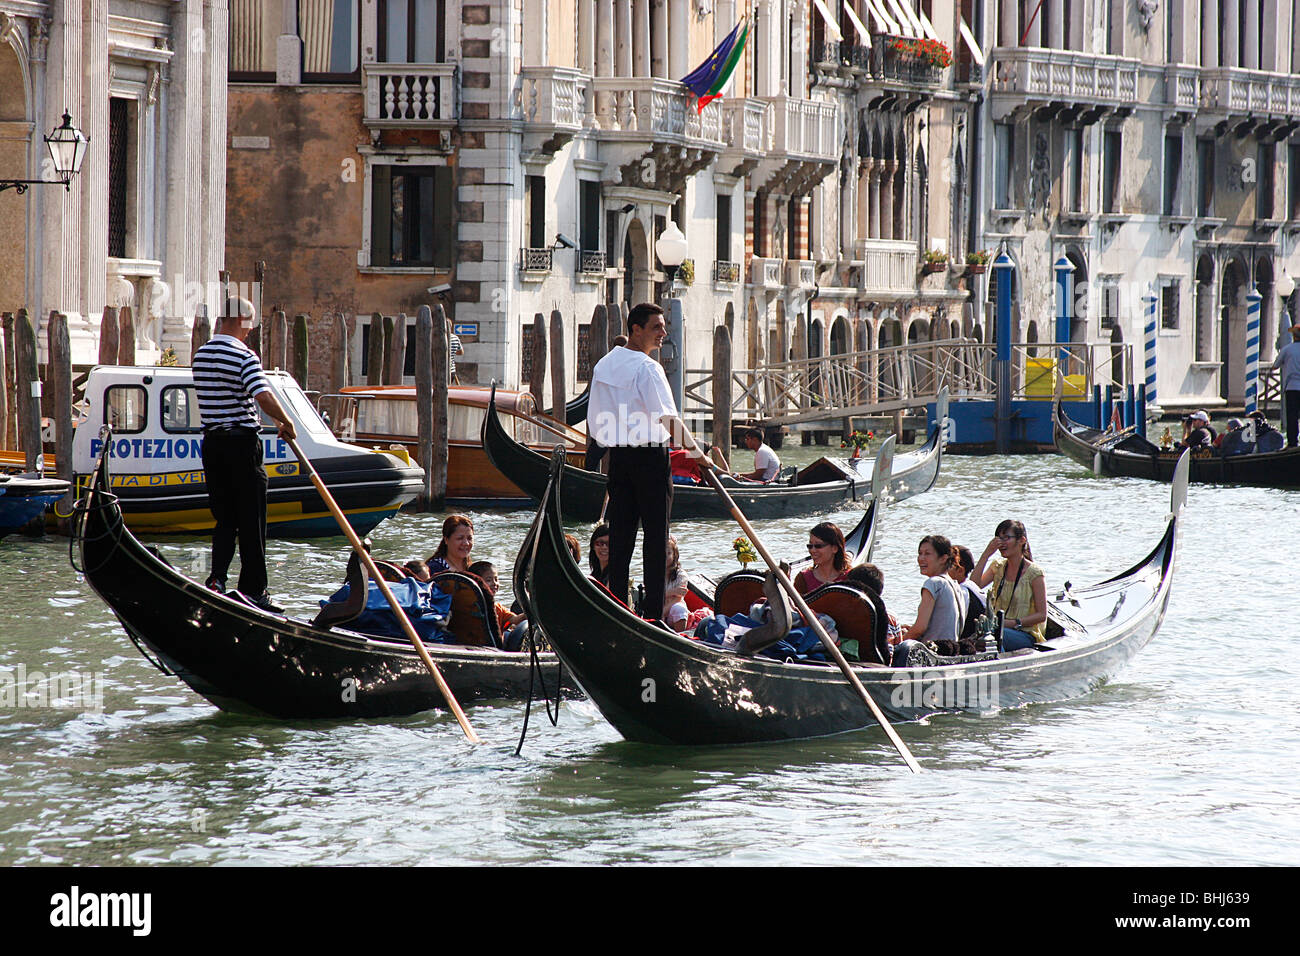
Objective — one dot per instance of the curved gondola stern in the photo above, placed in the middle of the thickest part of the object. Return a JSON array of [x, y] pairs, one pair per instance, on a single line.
[[884, 468]]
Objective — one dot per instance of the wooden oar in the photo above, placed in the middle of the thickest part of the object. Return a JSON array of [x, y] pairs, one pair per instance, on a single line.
[[402, 619], [797, 599]]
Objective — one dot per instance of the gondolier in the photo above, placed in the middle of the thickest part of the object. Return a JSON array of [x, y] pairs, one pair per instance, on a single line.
[[230, 384], [631, 412], [1288, 360]]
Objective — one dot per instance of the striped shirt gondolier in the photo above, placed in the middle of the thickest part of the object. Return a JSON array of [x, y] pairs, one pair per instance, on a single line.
[[228, 377], [455, 348]]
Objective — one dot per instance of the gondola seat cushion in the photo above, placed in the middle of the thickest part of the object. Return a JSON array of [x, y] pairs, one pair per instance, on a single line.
[[428, 609], [472, 620]]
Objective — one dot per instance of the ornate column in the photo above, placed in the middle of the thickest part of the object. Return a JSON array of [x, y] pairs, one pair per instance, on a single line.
[[623, 37], [659, 38], [587, 36], [874, 170], [1209, 34], [1055, 24], [1251, 28], [679, 39], [604, 37], [887, 199], [1034, 32], [1009, 22], [1231, 24], [641, 37], [864, 199]]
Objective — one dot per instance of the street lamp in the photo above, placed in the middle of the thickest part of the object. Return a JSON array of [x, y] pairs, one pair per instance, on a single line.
[[671, 248], [67, 146]]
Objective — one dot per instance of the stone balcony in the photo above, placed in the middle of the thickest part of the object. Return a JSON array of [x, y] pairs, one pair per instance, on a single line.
[[650, 131], [1082, 85], [410, 95], [1250, 98], [554, 102], [885, 267], [747, 130], [805, 145], [766, 273], [800, 274]]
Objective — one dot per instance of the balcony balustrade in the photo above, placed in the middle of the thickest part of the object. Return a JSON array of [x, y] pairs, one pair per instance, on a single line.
[[1062, 75], [724, 271], [535, 260], [1250, 92], [888, 266], [410, 95], [591, 262], [554, 97]]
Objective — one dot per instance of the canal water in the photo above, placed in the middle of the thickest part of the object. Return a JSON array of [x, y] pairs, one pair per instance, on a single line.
[[1191, 755]]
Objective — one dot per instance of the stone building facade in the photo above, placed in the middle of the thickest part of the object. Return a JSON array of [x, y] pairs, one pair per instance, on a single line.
[[144, 223], [528, 155], [1150, 145]]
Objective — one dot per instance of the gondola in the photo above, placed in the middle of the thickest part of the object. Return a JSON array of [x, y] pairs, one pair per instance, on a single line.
[[822, 487], [1132, 456], [246, 660], [575, 409], [914, 472], [659, 687], [24, 498]]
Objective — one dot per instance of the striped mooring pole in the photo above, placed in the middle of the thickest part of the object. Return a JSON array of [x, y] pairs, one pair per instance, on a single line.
[[1253, 299], [1149, 346]]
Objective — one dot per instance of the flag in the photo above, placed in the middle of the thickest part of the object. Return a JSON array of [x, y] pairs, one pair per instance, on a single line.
[[708, 80]]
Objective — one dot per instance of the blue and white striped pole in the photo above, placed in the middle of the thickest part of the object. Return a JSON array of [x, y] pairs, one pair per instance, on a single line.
[[1253, 299], [1149, 346], [1064, 310], [1003, 268]]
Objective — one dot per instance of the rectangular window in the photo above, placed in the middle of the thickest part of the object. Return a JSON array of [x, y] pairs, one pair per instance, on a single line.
[[121, 174], [411, 209], [792, 229], [1110, 188], [1267, 159], [255, 25], [126, 408], [180, 409], [331, 39], [1003, 144], [1074, 177], [1169, 305], [1173, 165], [589, 201], [760, 224], [1293, 182], [724, 228], [1109, 303], [535, 211], [410, 31], [1205, 177]]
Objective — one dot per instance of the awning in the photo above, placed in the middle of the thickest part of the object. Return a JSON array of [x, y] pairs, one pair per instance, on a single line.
[[900, 20], [927, 25], [832, 27], [912, 18], [969, 37], [881, 16], [857, 24]]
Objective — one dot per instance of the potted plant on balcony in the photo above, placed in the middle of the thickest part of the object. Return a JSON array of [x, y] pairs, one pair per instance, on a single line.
[[686, 272], [932, 260], [977, 262], [934, 53]]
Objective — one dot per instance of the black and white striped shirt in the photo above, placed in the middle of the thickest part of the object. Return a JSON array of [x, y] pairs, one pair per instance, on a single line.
[[228, 377]]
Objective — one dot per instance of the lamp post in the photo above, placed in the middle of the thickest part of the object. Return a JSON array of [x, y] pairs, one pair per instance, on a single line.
[[671, 248], [67, 146]]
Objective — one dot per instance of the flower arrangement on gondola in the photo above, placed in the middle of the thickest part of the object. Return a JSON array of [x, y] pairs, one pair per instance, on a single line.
[[858, 440], [930, 52], [745, 552], [168, 358]]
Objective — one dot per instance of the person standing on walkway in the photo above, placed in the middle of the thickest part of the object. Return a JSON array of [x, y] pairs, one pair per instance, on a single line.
[[230, 384], [631, 413], [1288, 360]]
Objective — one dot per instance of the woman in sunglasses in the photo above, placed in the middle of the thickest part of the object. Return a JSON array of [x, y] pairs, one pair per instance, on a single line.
[[830, 562], [1015, 586]]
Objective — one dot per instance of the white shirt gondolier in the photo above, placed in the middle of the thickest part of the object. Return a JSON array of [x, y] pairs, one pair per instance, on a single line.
[[631, 412]]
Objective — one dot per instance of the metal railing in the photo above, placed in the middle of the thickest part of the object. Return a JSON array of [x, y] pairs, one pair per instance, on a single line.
[[591, 261], [535, 260], [876, 381], [724, 271]]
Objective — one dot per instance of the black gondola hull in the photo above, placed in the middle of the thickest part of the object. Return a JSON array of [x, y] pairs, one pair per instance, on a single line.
[[249, 661], [1278, 469], [658, 687]]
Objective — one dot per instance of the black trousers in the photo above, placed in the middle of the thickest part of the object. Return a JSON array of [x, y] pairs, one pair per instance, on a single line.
[[236, 482], [640, 492], [1292, 398]]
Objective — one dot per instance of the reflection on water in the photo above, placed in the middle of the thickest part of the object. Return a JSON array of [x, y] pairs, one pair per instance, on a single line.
[[1187, 756]]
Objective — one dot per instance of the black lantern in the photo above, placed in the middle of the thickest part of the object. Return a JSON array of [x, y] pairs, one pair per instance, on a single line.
[[67, 146]]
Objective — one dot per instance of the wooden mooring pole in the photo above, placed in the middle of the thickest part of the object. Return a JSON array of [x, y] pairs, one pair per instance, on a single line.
[[538, 376], [201, 332], [557, 364], [299, 359], [27, 381], [722, 389], [396, 349], [424, 403], [6, 401], [108, 335], [339, 341], [59, 373], [441, 365], [375, 352], [125, 336]]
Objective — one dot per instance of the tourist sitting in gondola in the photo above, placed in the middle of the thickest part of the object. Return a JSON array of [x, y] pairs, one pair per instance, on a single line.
[[418, 569], [976, 603], [1197, 433], [766, 464], [868, 576], [486, 572], [598, 553], [455, 547], [684, 468], [1267, 438], [830, 562], [942, 611], [1236, 440], [1015, 586], [676, 614]]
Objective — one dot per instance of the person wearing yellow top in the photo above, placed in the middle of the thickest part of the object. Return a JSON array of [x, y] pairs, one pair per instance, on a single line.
[[1015, 586]]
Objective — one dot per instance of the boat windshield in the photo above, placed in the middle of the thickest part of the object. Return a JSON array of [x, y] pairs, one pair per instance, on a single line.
[[308, 419]]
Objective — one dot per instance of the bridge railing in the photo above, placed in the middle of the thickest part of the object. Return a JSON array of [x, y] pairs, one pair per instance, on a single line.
[[876, 381]]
